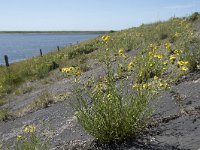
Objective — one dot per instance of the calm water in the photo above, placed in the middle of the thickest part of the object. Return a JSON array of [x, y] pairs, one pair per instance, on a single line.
[[21, 46]]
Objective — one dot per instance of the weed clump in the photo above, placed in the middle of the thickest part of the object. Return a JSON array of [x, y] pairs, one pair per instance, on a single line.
[[29, 140], [5, 115]]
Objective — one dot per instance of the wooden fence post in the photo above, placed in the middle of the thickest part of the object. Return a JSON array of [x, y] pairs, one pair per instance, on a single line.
[[58, 48], [41, 52], [6, 60]]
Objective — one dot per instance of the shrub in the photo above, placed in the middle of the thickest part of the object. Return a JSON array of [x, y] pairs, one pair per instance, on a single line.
[[44, 69], [110, 112], [83, 49], [192, 54], [194, 16]]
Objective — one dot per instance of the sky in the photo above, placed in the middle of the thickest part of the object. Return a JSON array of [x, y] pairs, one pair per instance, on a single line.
[[90, 15]]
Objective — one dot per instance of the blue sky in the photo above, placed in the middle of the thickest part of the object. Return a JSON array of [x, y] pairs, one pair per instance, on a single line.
[[45, 15]]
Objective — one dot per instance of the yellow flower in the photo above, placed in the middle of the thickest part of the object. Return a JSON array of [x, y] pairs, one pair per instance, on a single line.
[[164, 68], [172, 57], [163, 84], [105, 38], [67, 70], [30, 129], [71, 68], [155, 78], [130, 66], [19, 137], [177, 34], [168, 46], [184, 68], [151, 65], [78, 73], [159, 56], [153, 47], [109, 96], [150, 53], [182, 63], [121, 51], [190, 33], [178, 52], [165, 62], [135, 86], [145, 86]]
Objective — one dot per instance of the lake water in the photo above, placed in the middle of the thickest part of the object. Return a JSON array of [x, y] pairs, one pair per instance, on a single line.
[[20, 46]]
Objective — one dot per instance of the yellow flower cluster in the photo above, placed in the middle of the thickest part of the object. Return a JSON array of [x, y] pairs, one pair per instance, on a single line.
[[172, 58], [156, 83], [67, 70], [105, 38], [159, 56], [155, 77], [109, 96], [168, 46], [130, 66], [165, 62], [19, 137], [30, 129], [150, 53], [121, 53], [77, 73], [71, 70], [178, 52], [138, 87], [162, 84], [183, 65], [153, 46], [183, 68]]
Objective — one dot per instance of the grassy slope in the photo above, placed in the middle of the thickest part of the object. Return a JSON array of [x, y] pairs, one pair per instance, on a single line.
[[136, 39]]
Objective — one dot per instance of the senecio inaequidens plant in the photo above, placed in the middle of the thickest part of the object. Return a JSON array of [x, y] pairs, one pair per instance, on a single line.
[[29, 140], [113, 109]]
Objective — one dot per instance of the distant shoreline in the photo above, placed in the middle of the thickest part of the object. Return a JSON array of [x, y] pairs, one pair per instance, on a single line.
[[53, 32]]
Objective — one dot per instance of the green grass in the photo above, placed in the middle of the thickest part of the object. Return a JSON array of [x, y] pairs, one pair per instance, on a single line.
[[2, 101], [5, 115], [44, 100]]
